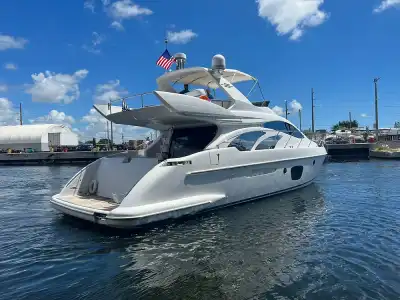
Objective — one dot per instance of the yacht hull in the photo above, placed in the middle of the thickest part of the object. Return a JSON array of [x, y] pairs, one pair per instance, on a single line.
[[131, 223], [187, 190]]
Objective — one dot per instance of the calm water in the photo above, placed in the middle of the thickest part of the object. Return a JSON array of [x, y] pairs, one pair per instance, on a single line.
[[337, 239]]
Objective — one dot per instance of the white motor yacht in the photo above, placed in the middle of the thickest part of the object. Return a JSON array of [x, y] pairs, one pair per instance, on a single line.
[[211, 153]]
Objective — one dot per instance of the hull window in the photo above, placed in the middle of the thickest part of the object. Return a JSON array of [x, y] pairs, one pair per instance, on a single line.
[[246, 141], [187, 141], [284, 127], [296, 172]]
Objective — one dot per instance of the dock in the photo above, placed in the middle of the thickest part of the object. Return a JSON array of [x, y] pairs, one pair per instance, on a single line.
[[53, 158], [336, 152], [385, 154], [348, 152]]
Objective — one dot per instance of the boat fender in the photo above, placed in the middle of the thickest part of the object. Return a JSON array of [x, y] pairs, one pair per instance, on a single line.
[[93, 186]]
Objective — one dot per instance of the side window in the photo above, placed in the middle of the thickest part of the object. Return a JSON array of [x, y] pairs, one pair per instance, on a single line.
[[187, 141], [246, 141], [284, 127], [294, 132], [276, 125], [268, 143]]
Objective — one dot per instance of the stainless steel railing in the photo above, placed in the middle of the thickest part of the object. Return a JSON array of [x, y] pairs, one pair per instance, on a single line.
[[138, 97]]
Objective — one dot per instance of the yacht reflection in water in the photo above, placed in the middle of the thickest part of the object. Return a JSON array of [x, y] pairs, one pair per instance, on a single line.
[[236, 252]]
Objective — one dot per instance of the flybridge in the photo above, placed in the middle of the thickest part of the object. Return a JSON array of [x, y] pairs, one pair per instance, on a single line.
[[189, 106]]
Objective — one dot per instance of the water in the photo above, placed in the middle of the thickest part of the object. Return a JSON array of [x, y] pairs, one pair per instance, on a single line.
[[337, 239]]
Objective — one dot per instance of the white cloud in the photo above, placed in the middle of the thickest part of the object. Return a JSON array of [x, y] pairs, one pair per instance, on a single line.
[[295, 106], [9, 42], [10, 66], [109, 91], [296, 34], [292, 16], [181, 37], [96, 126], [56, 88], [3, 88], [124, 10], [56, 117], [8, 115], [117, 25], [89, 4], [364, 115], [386, 4], [97, 39], [278, 110]]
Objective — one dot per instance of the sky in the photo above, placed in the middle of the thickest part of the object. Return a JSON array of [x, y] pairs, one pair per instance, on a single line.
[[58, 58]]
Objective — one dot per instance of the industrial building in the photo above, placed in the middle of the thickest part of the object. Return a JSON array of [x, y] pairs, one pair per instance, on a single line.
[[38, 137]]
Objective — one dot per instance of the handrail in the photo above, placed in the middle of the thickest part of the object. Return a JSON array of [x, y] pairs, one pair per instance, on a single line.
[[300, 142], [288, 141], [131, 96], [123, 99]]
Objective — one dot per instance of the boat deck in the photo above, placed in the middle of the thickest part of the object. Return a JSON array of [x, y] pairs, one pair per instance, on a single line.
[[94, 202]]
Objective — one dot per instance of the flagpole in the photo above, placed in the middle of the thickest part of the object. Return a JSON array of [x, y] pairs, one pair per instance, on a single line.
[[166, 47]]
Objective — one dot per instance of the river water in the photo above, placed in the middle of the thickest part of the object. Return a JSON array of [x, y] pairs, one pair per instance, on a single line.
[[336, 239]]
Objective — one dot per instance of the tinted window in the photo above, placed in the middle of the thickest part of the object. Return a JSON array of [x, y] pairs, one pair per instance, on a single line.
[[268, 143], [246, 141], [284, 127], [186, 141]]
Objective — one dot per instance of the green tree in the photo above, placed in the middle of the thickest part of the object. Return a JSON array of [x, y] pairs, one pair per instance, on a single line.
[[397, 125], [345, 125]]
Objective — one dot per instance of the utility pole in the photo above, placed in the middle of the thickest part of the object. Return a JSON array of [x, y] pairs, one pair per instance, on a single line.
[[108, 138], [350, 119], [112, 134], [300, 118], [312, 111], [20, 113], [376, 108], [286, 112]]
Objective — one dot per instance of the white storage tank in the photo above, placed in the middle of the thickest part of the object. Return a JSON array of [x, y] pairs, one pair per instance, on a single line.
[[39, 137]]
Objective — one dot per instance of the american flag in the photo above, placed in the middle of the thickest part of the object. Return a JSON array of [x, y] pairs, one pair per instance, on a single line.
[[166, 60]]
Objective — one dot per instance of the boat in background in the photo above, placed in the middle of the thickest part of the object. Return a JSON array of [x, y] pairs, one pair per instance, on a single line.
[[210, 153]]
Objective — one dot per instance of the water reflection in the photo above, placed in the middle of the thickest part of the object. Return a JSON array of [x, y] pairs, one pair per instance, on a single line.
[[234, 251]]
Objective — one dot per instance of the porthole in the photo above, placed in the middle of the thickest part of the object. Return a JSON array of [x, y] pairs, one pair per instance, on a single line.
[[296, 172], [313, 162]]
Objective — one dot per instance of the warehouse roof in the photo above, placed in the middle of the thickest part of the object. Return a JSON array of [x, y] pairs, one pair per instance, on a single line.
[[28, 133]]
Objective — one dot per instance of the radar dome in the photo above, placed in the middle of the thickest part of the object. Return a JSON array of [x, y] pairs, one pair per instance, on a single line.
[[180, 56], [218, 62], [180, 60]]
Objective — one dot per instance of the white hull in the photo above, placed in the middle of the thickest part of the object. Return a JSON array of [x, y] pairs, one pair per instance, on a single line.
[[169, 192]]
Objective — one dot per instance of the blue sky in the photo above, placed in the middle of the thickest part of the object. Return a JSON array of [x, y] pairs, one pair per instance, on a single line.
[[60, 57]]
